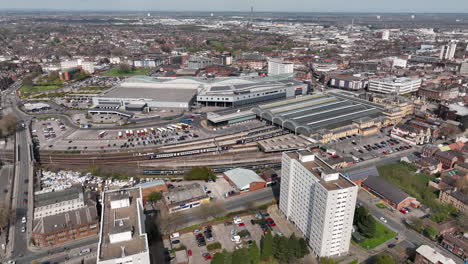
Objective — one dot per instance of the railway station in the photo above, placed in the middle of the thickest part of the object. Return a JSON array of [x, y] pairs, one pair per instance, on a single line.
[[324, 116]]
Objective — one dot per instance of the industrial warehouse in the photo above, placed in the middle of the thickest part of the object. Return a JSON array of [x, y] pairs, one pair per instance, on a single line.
[[139, 92]]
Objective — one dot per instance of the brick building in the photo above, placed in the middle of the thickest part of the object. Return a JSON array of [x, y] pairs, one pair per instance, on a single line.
[[455, 198], [427, 255], [244, 180], [390, 193], [72, 225], [447, 158], [153, 186], [457, 244]]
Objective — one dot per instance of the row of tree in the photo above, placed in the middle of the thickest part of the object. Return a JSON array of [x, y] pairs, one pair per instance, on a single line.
[[278, 249]]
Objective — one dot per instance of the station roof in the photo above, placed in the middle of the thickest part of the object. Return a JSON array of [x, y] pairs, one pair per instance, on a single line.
[[321, 111]]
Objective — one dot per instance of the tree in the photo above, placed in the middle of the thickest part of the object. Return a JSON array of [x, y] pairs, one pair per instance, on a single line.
[[327, 260], [304, 247], [169, 223], [222, 258], [294, 247], [241, 256], [211, 209], [430, 232], [383, 258], [416, 223], [462, 221], [254, 252], [449, 130], [365, 222], [166, 49], [267, 246], [154, 197], [5, 214], [125, 68], [281, 249]]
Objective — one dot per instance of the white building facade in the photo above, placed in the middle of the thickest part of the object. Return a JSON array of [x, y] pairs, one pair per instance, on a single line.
[[447, 52], [319, 201], [394, 85], [61, 204], [276, 67]]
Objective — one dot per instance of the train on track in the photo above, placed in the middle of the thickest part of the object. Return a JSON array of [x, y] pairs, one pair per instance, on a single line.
[[187, 152], [215, 170], [261, 137]]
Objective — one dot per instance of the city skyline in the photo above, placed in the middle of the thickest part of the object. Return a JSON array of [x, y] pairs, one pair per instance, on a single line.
[[302, 6]]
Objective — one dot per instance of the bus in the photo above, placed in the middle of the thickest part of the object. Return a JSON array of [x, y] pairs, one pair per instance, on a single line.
[[187, 120], [127, 133], [102, 134], [145, 132], [160, 130], [153, 131], [120, 134]]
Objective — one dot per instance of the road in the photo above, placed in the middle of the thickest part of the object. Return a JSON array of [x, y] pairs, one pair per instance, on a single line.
[[20, 194], [236, 203], [395, 223]]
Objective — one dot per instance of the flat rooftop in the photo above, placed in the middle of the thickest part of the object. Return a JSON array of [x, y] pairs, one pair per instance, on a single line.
[[163, 95], [49, 198], [121, 220], [317, 167], [184, 194], [311, 113]]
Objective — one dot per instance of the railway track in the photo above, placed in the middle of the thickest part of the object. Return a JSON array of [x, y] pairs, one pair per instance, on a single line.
[[226, 145]]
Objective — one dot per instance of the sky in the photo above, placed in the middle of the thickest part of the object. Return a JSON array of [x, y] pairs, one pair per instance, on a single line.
[[410, 6]]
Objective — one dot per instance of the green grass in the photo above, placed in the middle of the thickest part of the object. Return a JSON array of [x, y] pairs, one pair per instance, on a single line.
[[354, 262], [415, 184], [382, 234], [118, 73], [38, 88], [381, 206]]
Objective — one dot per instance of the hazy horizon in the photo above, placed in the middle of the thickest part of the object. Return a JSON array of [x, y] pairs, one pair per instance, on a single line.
[[302, 6]]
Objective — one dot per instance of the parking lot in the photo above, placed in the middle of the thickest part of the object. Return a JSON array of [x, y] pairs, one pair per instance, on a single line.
[[232, 234], [115, 139], [49, 130], [364, 148]]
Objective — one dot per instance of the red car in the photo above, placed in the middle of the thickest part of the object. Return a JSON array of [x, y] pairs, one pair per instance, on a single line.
[[271, 224], [189, 252], [403, 211], [241, 224], [206, 256]]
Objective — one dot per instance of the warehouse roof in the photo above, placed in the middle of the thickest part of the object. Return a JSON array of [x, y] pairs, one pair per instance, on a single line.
[[386, 189], [56, 197], [75, 218], [164, 95], [242, 178]]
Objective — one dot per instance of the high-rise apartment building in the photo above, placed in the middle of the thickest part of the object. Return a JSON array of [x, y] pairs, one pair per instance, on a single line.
[[276, 67], [319, 201], [386, 34], [447, 52]]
